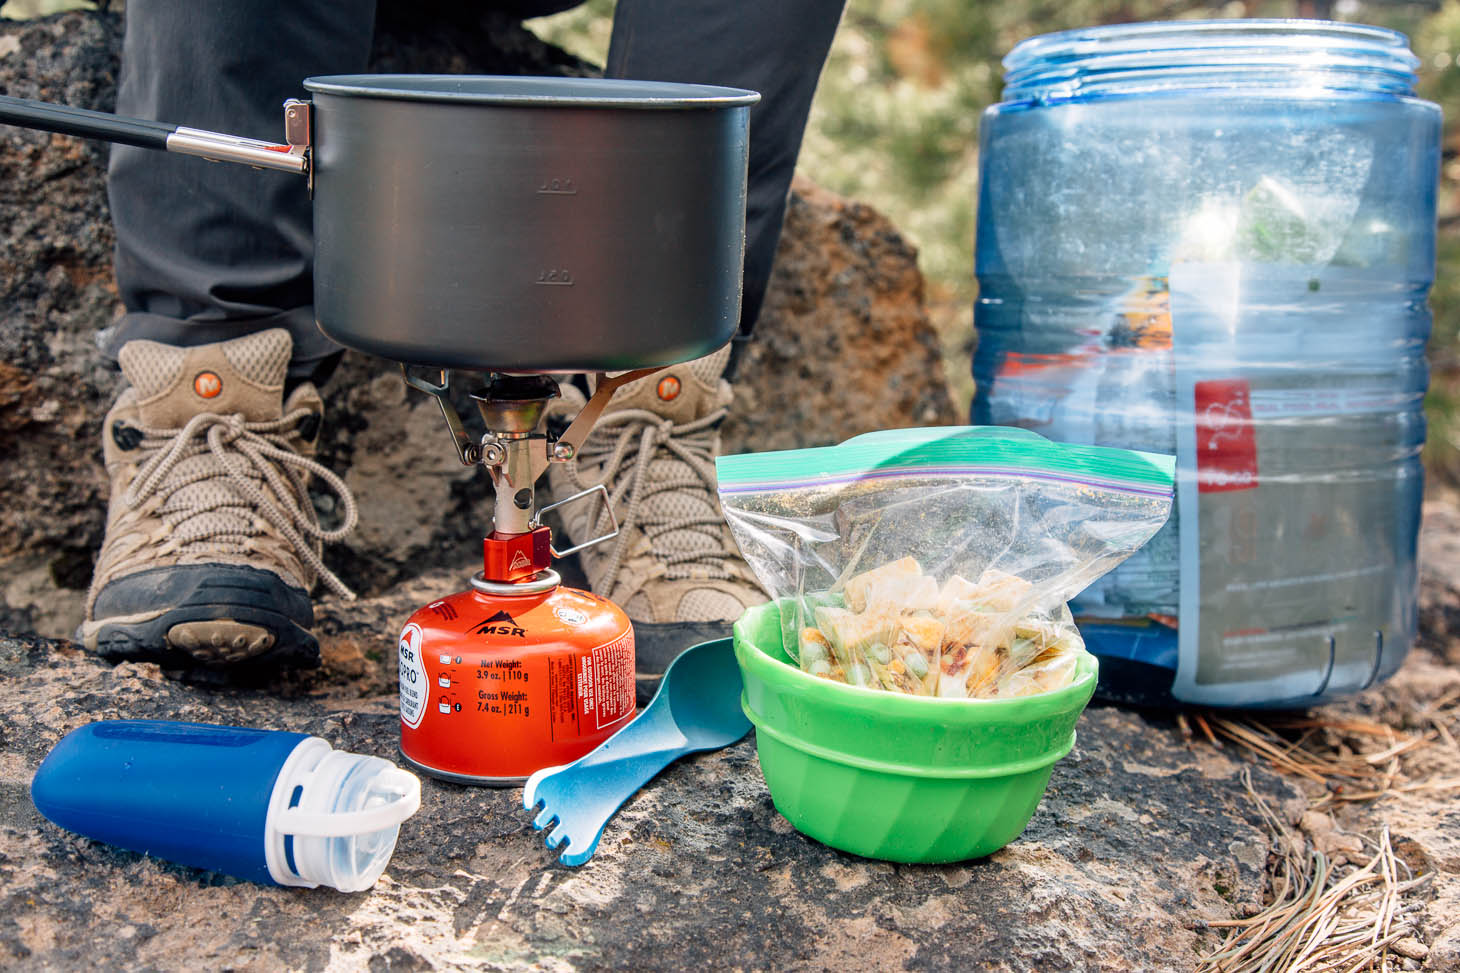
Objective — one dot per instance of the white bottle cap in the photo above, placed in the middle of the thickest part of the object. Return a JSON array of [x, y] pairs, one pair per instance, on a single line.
[[334, 816]]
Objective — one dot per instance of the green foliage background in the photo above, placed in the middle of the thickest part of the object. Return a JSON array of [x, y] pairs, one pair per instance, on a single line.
[[895, 123]]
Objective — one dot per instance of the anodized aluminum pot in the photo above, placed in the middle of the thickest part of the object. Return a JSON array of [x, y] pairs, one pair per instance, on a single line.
[[502, 223], [528, 224]]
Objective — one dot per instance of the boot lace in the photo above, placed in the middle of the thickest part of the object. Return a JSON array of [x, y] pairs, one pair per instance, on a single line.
[[245, 456], [627, 443]]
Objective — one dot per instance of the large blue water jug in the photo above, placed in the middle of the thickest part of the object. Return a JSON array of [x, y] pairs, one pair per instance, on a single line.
[[1216, 239]]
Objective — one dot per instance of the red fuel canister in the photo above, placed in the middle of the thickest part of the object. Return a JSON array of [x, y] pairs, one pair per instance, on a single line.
[[504, 679]]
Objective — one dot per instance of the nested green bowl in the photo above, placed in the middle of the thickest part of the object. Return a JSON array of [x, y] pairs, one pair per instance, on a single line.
[[902, 778]]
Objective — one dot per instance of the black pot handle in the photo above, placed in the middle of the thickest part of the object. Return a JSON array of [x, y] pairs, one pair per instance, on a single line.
[[84, 123]]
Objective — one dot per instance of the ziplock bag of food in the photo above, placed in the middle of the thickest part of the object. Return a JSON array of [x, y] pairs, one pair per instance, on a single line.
[[937, 562]]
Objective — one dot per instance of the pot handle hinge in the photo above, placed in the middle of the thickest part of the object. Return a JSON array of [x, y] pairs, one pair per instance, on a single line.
[[299, 131]]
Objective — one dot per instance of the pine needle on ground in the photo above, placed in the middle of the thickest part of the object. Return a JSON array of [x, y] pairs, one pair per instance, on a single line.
[[1354, 759], [1323, 918]]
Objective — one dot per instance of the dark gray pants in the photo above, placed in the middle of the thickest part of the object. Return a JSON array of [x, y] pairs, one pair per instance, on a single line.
[[208, 252]]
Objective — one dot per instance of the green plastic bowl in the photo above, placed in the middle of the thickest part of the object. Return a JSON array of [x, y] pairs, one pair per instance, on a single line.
[[902, 778]]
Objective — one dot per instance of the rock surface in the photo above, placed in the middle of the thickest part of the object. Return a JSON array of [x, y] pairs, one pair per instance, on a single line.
[[1117, 871], [844, 345], [843, 323], [1145, 836], [57, 288]]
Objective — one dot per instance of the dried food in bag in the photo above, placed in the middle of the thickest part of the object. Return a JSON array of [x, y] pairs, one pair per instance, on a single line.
[[937, 562]]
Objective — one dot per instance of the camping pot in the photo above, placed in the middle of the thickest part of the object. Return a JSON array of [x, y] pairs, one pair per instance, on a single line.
[[502, 223]]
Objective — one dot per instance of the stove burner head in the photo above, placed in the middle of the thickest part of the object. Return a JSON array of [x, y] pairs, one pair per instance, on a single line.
[[514, 403]]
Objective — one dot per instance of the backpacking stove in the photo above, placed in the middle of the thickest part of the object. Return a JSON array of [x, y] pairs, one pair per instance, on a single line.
[[517, 672]]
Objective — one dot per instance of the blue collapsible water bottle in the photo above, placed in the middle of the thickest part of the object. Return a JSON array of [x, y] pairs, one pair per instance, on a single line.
[[270, 806]]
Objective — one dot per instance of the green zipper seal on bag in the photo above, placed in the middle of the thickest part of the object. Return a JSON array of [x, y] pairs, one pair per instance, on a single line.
[[951, 451]]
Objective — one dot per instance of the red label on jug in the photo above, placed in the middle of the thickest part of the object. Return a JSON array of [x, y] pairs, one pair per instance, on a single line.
[[1226, 441]]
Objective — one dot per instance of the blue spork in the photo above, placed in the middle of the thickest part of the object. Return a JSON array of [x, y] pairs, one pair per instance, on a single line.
[[697, 708]]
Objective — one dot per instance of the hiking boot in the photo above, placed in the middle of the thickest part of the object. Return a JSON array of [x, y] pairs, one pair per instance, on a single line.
[[674, 568], [212, 544]]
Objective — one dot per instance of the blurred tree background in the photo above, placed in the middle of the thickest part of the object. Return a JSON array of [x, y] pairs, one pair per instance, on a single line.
[[895, 123]]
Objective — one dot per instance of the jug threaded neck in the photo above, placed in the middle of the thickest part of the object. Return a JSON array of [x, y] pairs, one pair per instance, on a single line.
[[1283, 57]]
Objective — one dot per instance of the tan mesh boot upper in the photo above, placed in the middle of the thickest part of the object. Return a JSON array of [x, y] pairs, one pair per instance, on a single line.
[[654, 447], [209, 466]]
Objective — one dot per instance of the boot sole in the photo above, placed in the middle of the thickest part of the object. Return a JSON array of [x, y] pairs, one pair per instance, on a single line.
[[216, 616]]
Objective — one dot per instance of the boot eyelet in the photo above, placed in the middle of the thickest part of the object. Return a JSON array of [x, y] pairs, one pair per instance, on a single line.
[[308, 427], [126, 437]]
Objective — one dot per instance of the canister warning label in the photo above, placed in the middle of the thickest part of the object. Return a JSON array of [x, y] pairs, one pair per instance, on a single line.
[[593, 689], [414, 687], [607, 675]]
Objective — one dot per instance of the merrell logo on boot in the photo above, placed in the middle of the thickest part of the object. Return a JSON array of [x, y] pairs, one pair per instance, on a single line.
[[208, 385]]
